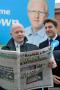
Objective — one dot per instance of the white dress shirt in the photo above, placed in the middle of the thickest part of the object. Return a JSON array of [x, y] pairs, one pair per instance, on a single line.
[[17, 45]]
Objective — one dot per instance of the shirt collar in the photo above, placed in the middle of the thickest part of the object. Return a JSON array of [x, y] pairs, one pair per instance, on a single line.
[[31, 32], [17, 44], [54, 37]]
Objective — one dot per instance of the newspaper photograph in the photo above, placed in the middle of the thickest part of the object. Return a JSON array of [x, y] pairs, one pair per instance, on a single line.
[[25, 70]]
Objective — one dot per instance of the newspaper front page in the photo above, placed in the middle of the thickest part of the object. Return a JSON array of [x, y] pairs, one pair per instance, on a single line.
[[25, 71], [34, 69]]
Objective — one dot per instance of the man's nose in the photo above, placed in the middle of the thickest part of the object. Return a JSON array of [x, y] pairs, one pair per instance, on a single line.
[[20, 33], [37, 14], [47, 29]]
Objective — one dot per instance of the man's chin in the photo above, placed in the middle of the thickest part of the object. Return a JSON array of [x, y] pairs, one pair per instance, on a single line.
[[49, 36], [36, 27], [20, 41]]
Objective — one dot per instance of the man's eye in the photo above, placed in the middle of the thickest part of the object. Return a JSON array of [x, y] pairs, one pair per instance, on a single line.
[[16, 32]]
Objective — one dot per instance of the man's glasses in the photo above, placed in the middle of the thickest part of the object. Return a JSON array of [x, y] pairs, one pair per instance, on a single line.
[[34, 11]]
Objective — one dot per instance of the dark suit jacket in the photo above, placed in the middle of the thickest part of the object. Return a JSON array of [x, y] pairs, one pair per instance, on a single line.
[[46, 43], [56, 53], [56, 71], [25, 47]]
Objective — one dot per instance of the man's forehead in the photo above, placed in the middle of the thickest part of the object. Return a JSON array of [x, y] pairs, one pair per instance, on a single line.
[[49, 23], [37, 8], [17, 30], [35, 3]]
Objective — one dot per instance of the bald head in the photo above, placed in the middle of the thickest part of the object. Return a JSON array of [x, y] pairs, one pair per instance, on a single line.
[[16, 25], [18, 32]]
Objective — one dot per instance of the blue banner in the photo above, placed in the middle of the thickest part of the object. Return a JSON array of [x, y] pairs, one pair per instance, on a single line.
[[15, 10]]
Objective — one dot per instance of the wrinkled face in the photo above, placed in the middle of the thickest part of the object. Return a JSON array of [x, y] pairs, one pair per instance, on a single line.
[[37, 14], [50, 29], [18, 34]]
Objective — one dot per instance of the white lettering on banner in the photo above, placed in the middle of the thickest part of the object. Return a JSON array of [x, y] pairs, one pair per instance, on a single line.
[[7, 22], [5, 12]]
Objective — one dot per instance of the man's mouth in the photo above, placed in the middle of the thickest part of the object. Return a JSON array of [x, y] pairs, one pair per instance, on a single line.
[[36, 20]]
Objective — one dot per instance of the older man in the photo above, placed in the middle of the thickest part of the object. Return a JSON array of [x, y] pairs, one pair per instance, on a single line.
[[18, 40], [37, 12]]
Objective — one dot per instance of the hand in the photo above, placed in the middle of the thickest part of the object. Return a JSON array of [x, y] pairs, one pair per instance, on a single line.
[[56, 79], [52, 64]]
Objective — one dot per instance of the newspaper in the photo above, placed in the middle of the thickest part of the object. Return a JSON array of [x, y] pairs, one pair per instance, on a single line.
[[9, 70], [34, 69], [25, 71]]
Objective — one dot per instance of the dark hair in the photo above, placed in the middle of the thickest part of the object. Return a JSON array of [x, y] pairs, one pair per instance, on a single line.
[[53, 21]]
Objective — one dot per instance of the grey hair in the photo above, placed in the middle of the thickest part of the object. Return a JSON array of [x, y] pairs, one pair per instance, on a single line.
[[43, 1]]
